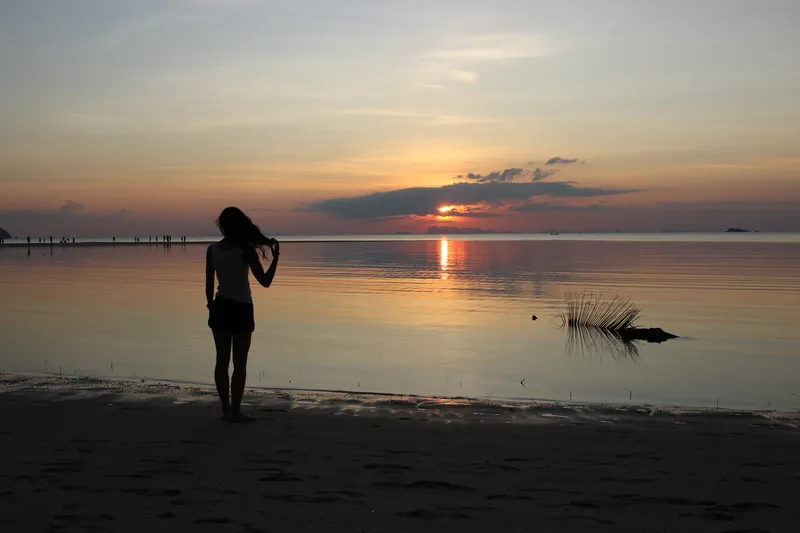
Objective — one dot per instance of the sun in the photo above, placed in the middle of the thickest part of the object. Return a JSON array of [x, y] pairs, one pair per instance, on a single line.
[[446, 208]]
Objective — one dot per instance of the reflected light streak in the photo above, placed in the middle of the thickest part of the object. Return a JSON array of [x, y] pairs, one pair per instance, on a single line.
[[443, 257]]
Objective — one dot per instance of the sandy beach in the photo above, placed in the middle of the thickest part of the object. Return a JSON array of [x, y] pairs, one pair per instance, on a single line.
[[81, 462]]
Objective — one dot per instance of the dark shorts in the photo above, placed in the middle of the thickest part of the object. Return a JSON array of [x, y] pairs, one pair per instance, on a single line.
[[230, 316]]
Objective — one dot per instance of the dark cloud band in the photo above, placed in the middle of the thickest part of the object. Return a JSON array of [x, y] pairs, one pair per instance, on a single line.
[[422, 201]]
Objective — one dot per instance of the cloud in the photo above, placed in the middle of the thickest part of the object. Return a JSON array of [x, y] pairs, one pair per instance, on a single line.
[[69, 219], [71, 207], [464, 76], [424, 201], [413, 115], [498, 47], [508, 174], [538, 174], [436, 73], [547, 206], [560, 161], [460, 61], [472, 213]]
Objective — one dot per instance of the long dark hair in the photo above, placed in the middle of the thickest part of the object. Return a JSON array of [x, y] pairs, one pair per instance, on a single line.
[[240, 230]]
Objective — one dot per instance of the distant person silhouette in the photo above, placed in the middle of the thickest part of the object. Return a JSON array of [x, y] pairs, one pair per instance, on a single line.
[[113, 239], [73, 240], [51, 239], [29, 240], [231, 312]]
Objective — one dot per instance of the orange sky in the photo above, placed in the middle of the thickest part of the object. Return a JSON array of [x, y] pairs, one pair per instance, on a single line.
[[153, 116]]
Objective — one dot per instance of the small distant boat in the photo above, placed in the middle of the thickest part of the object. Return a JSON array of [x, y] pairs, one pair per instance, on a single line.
[[554, 233]]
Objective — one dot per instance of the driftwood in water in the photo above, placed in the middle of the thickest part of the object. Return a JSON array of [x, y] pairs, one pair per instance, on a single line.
[[645, 334]]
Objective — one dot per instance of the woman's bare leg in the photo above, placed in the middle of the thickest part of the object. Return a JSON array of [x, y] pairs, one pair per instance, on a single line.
[[223, 344], [241, 347]]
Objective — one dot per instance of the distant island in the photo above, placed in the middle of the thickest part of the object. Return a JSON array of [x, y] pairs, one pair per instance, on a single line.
[[737, 230], [4, 234], [448, 230]]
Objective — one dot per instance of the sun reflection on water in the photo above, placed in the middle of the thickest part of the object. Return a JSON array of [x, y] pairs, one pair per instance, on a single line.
[[443, 257]]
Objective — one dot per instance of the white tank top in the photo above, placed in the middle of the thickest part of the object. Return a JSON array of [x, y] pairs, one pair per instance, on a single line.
[[232, 274]]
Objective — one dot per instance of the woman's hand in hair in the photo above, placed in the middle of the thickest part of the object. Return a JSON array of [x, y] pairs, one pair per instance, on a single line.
[[265, 277]]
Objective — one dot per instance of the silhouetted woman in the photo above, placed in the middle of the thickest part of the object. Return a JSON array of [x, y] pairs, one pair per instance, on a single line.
[[231, 311]]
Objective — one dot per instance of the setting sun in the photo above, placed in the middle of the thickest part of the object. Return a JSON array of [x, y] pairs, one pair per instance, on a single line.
[[446, 208]]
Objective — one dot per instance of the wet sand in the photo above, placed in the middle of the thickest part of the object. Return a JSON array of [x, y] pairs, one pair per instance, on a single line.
[[109, 463]]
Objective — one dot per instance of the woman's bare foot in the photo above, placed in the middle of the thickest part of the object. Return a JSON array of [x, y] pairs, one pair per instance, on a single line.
[[240, 417]]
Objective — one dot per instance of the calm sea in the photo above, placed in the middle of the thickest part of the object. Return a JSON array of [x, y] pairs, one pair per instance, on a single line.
[[429, 316]]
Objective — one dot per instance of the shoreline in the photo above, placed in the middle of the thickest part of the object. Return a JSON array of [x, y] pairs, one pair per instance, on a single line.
[[475, 409], [688, 237], [103, 461]]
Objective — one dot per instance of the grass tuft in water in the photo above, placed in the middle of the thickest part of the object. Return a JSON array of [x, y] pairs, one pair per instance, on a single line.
[[589, 309]]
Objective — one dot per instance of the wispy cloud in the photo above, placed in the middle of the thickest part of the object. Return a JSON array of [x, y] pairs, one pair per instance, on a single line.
[[460, 62], [507, 175], [497, 46], [531, 207], [538, 174], [560, 161], [71, 217], [71, 207], [439, 74], [426, 117]]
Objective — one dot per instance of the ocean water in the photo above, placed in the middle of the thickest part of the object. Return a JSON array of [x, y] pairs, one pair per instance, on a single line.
[[430, 316]]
